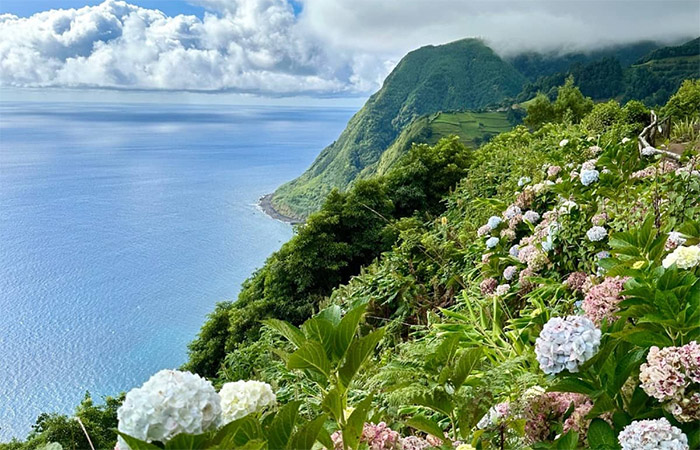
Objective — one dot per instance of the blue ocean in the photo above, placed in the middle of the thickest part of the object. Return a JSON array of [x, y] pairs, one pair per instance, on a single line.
[[121, 226]]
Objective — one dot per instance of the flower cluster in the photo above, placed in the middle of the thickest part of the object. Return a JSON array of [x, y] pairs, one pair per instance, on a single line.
[[494, 222], [495, 416], [488, 286], [652, 435], [566, 343], [523, 181], [602, 300], [675, 240], [541, 410], [553, 171], [589, 177], [509, 272], [169, 403], [596, 233], [241, 398], [377, 437], [511, 212], [599, 219], [667, 375], [531, 217], [492, 242], [502, 289], [578, 282], [683, 257]]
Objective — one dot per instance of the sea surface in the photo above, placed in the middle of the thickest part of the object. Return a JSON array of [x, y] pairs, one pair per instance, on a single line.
[[121, 226]]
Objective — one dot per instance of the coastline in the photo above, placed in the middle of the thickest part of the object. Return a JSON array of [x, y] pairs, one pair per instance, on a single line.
[[265, 204]]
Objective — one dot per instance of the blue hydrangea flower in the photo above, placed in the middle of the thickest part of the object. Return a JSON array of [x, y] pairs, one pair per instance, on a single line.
[[494, 222], [566, 343], [589, 177], [492, 242]]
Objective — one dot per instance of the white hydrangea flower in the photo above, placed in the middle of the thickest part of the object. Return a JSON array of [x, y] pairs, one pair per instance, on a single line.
[[523, 181], [653, 434], [683, 257], [492, 242], [241, 398], [675, 239], [595, 150], [531, 217], [563, 142], [566, 343], [567, 206], [494, 222], [502, 289], [596, 233], [511, 212], [589, 176], [169, 403]]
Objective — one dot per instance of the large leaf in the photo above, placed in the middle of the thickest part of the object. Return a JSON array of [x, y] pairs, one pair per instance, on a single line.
[[282, 425], [601, 436], [286, 329], [572, 384], [322, 331], [333, 404], [357, 353], [137, 444], [346, 330], [438, 401], [237, 433], [184, 441], [568, 441], [422, 423], [307, 434], [353, 428], [310, 356], [643, 337], [467, 362]]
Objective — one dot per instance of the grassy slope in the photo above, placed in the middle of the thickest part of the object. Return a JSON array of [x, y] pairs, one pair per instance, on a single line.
[[472, 128], [461, 75]]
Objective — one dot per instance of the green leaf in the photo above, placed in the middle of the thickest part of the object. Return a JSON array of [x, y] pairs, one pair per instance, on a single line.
[[438, 401], [331, 314], [424, 424], [353, 428], [237, 433], [467, 362], [184, 441], [333, 404], [324, 438], [346, 330], [307, 434], [643, 337], [322, 331], [310, 356], [282, 425], [572, 385], [357, 353], [601, 436], [137, 444], [568, 441], [286, 329]]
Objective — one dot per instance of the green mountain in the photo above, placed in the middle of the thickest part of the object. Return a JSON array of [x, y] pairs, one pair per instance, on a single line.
[[457, 76]]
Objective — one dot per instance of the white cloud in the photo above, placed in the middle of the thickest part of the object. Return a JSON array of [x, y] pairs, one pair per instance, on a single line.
[[334, 47]]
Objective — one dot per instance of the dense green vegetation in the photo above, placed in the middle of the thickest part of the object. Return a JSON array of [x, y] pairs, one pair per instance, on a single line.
[[461, 75], [350, 230], [651, 78]]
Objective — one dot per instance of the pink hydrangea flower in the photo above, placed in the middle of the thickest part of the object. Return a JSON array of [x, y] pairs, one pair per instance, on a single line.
[[377, 437], [488, 286], [602, 300], [578, 281], [667, 376], [543, 411]]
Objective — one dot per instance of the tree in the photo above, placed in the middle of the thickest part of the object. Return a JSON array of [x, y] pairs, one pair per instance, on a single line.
[[571, 105], [539, 111]]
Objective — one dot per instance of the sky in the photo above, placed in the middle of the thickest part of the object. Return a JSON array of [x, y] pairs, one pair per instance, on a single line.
[[282, 48]]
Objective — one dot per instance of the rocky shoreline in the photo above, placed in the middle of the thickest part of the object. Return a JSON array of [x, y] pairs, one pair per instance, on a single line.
[[265, 204]]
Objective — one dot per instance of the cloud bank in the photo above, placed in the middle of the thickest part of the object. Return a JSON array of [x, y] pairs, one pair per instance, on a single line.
[[333, 47]]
